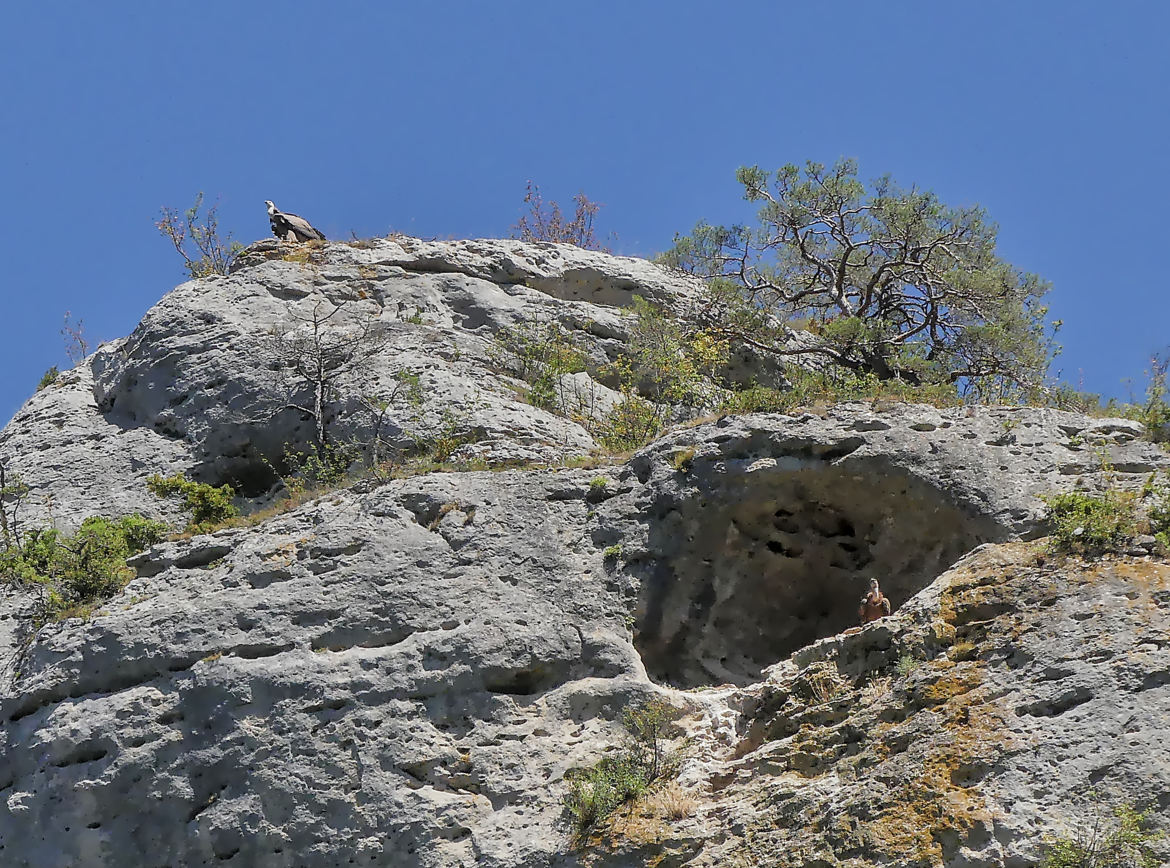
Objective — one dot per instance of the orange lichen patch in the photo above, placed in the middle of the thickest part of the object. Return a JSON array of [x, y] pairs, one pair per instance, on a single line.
[[943, 800], [1146, 576], [956, 682]]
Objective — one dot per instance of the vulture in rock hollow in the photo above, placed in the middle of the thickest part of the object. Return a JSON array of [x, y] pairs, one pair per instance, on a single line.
[[290, 227]]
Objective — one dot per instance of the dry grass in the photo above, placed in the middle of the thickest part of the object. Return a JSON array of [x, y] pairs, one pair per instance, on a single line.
[[420, 466], [252, 519], [674, 802], [876, 688], [824, 684]]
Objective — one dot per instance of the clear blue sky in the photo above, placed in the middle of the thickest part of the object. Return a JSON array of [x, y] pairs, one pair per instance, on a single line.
[[428, 118]]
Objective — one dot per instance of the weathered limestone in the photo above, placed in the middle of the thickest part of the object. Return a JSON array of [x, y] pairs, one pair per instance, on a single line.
[[765, 539], [965, 730], [193, 388], [402, 673]]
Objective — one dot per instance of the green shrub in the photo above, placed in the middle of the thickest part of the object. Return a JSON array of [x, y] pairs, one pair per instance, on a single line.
[[1154, 414], [197, 240], [905, 665], [319, 467], [632, 423], [140, 533], [1089, 524], [439, 448], [82, 569], [1159, 509], [207, 504], [541, 354], [757, 399], [48, 378], [641, 761], [598, 483], [1124, 843]]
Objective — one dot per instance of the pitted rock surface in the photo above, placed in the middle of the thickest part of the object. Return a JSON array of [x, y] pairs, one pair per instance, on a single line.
[[754, 536], [402, 673], [1031, 685], [193, 388]]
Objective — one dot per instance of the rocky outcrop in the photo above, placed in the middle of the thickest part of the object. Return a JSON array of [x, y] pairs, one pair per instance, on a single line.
[[403, 672], [198, 386], [973, 725], [773, 523]]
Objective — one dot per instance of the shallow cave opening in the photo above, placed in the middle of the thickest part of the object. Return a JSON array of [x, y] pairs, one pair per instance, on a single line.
[[744, 570]]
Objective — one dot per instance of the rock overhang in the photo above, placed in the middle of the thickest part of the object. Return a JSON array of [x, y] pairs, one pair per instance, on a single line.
[[759, 534]]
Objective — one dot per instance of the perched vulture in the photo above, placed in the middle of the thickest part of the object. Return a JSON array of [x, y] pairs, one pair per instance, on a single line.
[[290, 227], [874, 605]]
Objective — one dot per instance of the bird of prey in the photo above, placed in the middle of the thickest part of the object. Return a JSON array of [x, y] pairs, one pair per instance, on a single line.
[[874, 605], [290, 227]]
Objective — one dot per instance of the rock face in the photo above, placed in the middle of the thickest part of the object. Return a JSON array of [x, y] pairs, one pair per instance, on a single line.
[[962, 731], [202, 385], [402, 673], [775, 522]]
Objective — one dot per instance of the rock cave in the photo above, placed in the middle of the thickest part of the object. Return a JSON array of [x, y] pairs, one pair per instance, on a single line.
[[746, 568]]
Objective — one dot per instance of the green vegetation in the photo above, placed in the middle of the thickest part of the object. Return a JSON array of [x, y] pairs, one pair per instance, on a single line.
[[209, 505], [888, 281], [673, 372], [81, 570], [669, 374], [905, 665], [1158, 511], [613, 552], [197, 240], [1123, 842], [1154, 413], [632, 423], [681, 460], [541, 354], [598, 484], [1090, 524], [317, 468], [48, 378], [638, 764]]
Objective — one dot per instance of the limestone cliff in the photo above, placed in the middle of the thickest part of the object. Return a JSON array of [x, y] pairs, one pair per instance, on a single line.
[[402, 672]]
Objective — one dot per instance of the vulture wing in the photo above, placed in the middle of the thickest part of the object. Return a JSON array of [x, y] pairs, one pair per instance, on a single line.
[[302, 228], [279, 226]]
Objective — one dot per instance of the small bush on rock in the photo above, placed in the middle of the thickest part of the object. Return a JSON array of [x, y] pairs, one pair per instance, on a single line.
[[1158, 492], [632, 423], [545, 222], [48, 378], [1089, 524], [1123, 843], [209, 505], [541, 355], [319, 467], [197, 240], [80, 570], [641, 761], [757, 399], [1154, 413]]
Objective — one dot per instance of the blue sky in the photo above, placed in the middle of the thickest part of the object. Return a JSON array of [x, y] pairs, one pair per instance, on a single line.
[[428, 118]]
